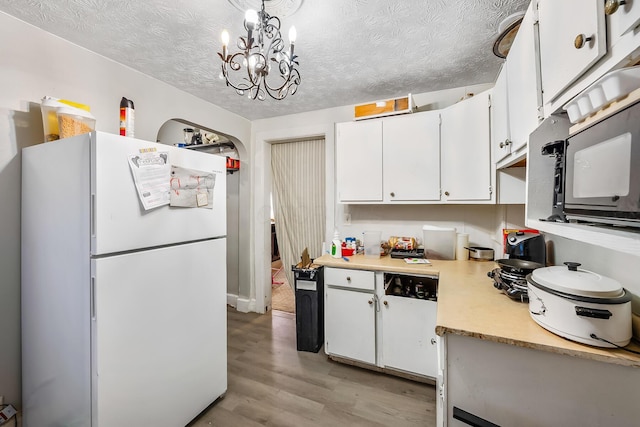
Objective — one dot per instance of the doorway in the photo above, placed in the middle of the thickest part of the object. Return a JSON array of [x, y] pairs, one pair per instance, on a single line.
[[212, 142], [298, 210]]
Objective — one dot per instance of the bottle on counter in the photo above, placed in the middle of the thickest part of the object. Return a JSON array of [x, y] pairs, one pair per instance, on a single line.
[[336, 246], [127, 117]]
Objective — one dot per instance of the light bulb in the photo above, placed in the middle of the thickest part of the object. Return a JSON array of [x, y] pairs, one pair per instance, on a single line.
[[292, 34], [251, 18], [221, 75], [225, 38]]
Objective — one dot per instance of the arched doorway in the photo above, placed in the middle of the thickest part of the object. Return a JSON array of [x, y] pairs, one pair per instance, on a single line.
[[172, 133]]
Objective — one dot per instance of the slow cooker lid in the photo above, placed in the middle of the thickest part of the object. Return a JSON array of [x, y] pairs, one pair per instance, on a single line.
[[576, 281]]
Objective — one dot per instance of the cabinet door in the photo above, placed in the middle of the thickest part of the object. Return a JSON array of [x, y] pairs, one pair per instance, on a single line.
[[411, 149], [350, 324], [466, 150], [359, 161], [408, 335], [562, 24], [522, 83], [500, 139], [625, 18]]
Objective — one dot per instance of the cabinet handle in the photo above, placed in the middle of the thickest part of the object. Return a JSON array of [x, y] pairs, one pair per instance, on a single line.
[[392, 194], [611, 6], [385, 303], [581, 40], [506, 143], [433, 341], [370, 302], [446, 193], [348, 279]]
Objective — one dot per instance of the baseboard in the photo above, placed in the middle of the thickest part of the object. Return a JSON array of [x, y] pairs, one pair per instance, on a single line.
[[232, 300], [243, 305], [246, 305]]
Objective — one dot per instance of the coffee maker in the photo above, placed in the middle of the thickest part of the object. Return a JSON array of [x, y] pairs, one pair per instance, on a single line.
[[527, 246]]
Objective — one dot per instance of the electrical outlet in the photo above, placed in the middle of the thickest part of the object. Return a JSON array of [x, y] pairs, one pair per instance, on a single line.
[[7, 413], [347, 219]]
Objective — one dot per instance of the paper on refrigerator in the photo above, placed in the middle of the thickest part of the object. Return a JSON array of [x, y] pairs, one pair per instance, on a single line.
[[151, 174], [191, 188]]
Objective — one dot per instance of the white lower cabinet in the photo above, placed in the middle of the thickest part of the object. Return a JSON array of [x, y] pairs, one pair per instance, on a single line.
[[510, 385], [350, 326], [364, 324], [408, 335]]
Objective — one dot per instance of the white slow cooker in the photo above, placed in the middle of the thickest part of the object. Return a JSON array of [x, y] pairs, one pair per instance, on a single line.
[[580, 305]]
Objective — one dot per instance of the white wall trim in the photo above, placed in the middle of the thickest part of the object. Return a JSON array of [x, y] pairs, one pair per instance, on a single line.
[[244, 305], [262, 189], [232, 300]]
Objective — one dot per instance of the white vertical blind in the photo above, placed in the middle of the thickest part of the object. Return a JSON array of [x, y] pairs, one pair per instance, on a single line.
[[298, 184]]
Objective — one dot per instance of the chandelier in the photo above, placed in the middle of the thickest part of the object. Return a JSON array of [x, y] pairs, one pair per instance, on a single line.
[[262, 66]]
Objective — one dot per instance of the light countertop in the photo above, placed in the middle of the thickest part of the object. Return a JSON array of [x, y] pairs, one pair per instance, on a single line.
[[469, 305]]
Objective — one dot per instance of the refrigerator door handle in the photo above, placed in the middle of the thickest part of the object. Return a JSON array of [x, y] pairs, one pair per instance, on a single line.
[[93, 298], [93, 215]]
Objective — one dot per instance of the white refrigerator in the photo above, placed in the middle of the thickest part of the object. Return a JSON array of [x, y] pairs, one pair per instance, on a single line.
[[123, 309]]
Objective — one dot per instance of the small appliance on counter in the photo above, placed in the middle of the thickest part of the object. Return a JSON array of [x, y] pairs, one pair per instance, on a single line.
[[511, 277], [406, 253], [480, 253], [404, 247], [527, 246], [580, 305], [608, 149]]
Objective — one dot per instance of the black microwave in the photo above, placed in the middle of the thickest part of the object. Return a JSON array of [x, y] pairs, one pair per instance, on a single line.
[[602, 171]]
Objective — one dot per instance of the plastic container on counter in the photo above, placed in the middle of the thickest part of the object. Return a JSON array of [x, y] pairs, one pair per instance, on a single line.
[[371, 242], [439, 242], [50, 122], [74, 121]]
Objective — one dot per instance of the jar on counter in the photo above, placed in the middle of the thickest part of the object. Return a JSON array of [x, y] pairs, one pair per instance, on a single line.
[[188, 135]]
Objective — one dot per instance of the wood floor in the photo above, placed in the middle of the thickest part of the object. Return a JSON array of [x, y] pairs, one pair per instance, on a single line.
[[272, 384]]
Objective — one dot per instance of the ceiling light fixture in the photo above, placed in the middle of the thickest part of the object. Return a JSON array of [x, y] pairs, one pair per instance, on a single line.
[[262, 67]]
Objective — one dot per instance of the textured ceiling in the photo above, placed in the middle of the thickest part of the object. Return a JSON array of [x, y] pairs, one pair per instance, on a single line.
[[350, 51]]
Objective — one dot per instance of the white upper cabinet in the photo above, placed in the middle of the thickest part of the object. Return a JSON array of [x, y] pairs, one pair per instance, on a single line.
[[516, 99], [411, 148], [359, 161], [572, 39], [411, 159], [500, 134], [523, 83], [466, 151], [375, 158], [623, 17]]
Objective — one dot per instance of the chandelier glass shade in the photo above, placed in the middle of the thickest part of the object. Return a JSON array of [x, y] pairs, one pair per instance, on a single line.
[[262, 66]]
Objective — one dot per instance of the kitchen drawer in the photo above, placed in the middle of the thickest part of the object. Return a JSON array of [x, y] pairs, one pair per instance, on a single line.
[[352, 279]]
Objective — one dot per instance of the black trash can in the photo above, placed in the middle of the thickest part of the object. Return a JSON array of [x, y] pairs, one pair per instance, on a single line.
[[309, 288]]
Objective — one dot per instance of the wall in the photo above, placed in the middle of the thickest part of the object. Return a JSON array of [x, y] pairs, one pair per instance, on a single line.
[[623, 267], [35, 64], [171, 133], [481, 221]]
